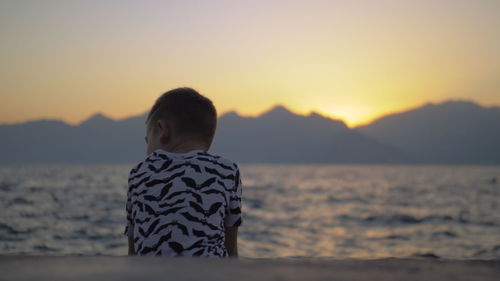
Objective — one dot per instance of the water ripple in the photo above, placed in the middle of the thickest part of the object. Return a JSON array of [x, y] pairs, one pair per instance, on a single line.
[[345, 211]]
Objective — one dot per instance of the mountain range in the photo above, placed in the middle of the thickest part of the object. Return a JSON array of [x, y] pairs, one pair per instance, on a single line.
[[451, 132]]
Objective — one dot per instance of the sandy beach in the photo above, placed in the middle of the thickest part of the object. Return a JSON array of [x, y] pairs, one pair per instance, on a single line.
[[162, 268]]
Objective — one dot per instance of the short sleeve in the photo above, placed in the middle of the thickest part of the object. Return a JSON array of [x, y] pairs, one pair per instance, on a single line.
[[129, 228], [233, 212]]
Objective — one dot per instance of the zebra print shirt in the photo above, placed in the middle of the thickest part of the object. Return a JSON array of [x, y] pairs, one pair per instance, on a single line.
[[178, 204]]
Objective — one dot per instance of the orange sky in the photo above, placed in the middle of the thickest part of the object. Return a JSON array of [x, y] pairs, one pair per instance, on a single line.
[[353, 60]]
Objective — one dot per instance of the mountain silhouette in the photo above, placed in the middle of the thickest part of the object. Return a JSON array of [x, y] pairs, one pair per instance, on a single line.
[[278, 112], [279, 135], [452, 132], [98, 120], [95, 140], [455, 131]]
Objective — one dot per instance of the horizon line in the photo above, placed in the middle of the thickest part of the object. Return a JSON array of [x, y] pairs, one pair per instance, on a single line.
[[264, 111]]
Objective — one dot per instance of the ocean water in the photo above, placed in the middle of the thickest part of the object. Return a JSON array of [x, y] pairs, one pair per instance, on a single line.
[[342, 211]]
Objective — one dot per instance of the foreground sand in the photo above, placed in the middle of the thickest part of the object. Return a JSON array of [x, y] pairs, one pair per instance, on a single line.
[[303, 269]]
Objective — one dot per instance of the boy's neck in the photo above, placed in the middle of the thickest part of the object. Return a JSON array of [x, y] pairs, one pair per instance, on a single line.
[[185, 147]]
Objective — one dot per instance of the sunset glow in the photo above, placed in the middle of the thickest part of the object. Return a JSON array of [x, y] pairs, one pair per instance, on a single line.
[[350, 60]]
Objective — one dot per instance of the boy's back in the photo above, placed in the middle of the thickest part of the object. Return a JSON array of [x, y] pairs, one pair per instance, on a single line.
[[181, 203]]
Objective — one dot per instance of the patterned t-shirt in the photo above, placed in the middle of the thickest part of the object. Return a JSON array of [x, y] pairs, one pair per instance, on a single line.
[[178, 204]]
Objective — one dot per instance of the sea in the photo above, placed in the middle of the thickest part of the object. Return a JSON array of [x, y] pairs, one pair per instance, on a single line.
[[339, 211]]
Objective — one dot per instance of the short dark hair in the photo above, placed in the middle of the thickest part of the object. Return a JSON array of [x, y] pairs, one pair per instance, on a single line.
[[191, 114]]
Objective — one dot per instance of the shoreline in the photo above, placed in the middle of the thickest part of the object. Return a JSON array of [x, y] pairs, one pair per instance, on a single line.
[[20, 267]]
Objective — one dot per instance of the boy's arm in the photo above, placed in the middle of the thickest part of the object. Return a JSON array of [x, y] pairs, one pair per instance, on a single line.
[[233, 217], [128, 207], [131, 250], [231, 242]]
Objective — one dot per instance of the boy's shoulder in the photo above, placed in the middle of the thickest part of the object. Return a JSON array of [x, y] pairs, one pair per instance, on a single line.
[[217, 160], [161, 160]]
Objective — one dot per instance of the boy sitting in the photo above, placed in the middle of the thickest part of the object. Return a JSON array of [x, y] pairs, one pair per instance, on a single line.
[[183, 200]]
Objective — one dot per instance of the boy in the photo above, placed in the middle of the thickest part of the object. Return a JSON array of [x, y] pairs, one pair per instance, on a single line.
[[182, 200]]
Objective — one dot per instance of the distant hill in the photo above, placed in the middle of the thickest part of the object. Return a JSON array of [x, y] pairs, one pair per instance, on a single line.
[[280, 136], [98, 139], [456, 131]]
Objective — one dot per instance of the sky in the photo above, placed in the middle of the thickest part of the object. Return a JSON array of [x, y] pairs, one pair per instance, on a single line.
[[351, 60]]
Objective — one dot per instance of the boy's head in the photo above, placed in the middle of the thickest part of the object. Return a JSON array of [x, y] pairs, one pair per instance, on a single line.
[[180, 117]]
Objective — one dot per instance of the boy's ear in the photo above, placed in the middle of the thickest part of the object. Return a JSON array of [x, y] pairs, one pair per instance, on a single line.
[[165, 131]]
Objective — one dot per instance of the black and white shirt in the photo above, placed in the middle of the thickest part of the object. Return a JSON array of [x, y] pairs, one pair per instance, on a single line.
[[178, 204]]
